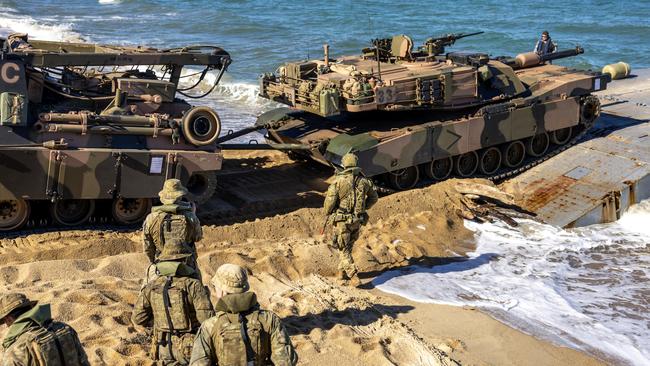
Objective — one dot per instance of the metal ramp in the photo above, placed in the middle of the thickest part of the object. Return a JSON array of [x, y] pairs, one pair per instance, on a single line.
[[598, 179]]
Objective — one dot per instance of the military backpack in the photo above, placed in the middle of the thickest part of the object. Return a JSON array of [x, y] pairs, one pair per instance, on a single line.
[[167, 299], [352, 204], [241, 340], [172, 317], [55, 345], [168, 226]]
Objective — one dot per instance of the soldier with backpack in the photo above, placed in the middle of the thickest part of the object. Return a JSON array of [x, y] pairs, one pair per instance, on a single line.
[[175, 304], [34, 339], [240, 333], [175, 219], [346, 202]]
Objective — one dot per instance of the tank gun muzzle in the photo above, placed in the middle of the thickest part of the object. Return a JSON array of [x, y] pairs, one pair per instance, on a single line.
[[530, 59]]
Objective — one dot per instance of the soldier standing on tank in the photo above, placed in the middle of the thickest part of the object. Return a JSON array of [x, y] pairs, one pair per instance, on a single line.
[[175, 304], [33, 338], [346, 203], [175, 219], [545, 45], [241, 333]]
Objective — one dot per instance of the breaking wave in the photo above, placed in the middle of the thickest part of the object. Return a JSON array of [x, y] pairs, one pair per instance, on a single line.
[[13, 22], [586, 288]]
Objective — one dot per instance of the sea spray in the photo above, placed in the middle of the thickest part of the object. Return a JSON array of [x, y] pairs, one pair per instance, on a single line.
[[586, 288]]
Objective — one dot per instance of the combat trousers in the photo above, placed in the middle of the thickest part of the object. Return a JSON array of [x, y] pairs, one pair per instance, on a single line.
[[345, 234]]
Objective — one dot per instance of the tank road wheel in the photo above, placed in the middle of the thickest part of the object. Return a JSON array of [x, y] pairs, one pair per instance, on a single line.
[[201, 126], [490, 161], [589, 111], [403, 179], [466, 164], [537, 145], [13, 214], [201, 186], [128, 211], [439, 169], [561, 136], [72, 212], [513, 154]]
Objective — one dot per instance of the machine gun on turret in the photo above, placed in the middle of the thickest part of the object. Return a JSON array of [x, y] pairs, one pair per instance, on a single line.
[[436, 46]]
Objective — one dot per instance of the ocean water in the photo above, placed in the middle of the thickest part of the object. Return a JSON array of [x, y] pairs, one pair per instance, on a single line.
[[261, 34], [586, 288]]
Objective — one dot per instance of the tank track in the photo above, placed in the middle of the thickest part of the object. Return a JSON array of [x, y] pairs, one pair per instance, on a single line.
[[533, 162], [242, 195], [502, 174], [580, 131]]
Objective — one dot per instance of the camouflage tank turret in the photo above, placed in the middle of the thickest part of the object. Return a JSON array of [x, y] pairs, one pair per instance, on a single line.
[[409, 113], [85, 127]]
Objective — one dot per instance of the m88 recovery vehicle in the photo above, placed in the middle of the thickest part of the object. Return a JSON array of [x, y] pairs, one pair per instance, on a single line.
[[408, 113], [87, 126]]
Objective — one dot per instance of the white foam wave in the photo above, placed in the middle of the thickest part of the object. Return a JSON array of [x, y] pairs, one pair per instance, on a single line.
[[584, 288], [11, 21], [230, 91]]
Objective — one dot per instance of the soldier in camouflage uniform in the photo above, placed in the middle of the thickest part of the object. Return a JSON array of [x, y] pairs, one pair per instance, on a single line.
[[241, 333], [346, 201], [175, 219], [175, 304], [33, 338]]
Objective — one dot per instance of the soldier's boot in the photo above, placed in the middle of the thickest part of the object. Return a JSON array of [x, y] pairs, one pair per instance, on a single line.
[[354, 282], [352, 274], [341, 277]]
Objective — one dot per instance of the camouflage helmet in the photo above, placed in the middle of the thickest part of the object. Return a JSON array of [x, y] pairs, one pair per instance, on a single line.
[[231, 278], [174, 250], [12, 301], [172, 190], [349, 160]]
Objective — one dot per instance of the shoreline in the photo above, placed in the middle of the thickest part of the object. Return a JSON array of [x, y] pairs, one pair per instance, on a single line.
[[481, 339]]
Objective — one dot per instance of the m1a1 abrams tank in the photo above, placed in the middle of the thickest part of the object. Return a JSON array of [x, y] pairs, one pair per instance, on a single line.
[[87, 126], [411, 113]]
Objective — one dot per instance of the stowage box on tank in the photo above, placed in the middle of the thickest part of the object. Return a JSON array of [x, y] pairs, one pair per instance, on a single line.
[[84, 126], [409, 113]]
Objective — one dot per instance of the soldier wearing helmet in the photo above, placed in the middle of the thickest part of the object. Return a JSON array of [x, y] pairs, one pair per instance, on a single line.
[[346, 202], [33, 338], [175, 219], [174, 304], [241, 333], [545, 45]]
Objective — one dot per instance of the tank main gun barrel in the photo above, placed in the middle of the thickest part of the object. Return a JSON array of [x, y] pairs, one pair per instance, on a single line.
[[531, 59], [562, 54]]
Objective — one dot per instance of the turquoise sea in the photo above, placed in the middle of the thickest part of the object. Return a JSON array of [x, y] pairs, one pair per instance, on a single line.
[[547, 281]]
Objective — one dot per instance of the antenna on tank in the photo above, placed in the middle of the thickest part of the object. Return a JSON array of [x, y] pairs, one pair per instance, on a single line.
[[378, 62]]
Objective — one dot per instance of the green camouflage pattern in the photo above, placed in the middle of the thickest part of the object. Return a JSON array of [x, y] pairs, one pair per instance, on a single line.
[[34, 339], [190, 306], [101, 129], [425, 112], [219, 341], [184, 226], [346, 201]]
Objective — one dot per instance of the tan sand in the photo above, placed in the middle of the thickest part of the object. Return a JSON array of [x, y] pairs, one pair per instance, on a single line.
[[92, 279]]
